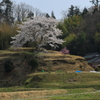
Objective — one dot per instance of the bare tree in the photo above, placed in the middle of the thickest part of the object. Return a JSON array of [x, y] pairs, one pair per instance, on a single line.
[[64, 14], [22, 11], [16, 12], [25, 9], [38, 13]]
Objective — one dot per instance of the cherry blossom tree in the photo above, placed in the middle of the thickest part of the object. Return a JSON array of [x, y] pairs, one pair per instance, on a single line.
[[64, 51], [39, 30]]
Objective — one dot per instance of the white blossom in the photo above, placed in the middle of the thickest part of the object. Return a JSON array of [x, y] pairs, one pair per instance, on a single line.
[[40, 30]]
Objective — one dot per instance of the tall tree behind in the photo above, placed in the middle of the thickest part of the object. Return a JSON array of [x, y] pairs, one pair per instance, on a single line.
[[47, 15], [30, 14], [96, 5], [95, 2], [69, 25], [52, 15], [64, 14], [71, 11], [85, 11], [6, 11], [77, 11], [22, 11]]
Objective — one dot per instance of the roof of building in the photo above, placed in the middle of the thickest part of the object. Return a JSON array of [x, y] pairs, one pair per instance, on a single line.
[[91, 55], [93, 60]]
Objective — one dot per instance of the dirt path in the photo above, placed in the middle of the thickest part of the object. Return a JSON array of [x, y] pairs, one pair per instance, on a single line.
[[48, 97]]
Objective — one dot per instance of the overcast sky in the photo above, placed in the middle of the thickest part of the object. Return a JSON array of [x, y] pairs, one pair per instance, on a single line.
[[46, 6]]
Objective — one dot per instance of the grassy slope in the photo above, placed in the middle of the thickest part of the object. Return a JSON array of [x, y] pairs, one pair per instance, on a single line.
[[56, 83], [61, 81], [88, 96], [55, 60], [49, 62]]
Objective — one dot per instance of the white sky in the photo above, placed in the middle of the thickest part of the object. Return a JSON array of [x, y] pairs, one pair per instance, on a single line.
[[46, 6]]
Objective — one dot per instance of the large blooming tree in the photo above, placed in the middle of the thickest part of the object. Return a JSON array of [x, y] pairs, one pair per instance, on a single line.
[[40, 30]]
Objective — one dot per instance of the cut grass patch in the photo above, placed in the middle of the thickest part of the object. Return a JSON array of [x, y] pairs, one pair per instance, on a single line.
[[30, 94], [84, 96], [65, 80]]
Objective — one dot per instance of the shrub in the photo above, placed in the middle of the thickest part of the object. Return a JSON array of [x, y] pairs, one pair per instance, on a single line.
[[34, 63], [97, 69], [8, 65]]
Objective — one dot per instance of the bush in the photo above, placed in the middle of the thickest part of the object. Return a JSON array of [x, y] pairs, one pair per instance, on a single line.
[[33, 63], [8, 65], [97, 69]]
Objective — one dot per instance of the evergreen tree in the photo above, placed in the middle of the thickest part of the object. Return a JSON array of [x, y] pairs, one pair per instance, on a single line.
[[30, 14], [47, 15], [71, 11], [85, 11], [6, 10], [77, 11], [1, 10], [52, 15]]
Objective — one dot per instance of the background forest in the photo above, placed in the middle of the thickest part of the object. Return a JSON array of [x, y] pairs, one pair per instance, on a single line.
[[81, 28]]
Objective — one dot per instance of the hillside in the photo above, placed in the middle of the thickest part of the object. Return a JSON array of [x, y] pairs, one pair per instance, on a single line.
[[51, 61], [56, 61]]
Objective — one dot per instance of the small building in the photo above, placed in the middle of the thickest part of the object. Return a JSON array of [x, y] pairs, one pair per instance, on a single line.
[[93, 59], [94, 62], [91, 55]]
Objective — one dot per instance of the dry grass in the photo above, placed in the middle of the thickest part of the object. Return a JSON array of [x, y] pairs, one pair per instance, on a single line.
[[41, 99], [57, 61], [50, 59], [30, 94], [6, 52], [24, 48], [52, 53], [4, 57], [55, 55]]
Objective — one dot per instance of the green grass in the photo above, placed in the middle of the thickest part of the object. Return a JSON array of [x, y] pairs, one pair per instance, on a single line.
[[88, 96], [66, 80], [17, 88], [73, 83], [85, 82]]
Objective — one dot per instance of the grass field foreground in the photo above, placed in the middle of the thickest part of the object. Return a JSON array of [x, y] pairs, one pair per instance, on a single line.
[[56, 84]]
